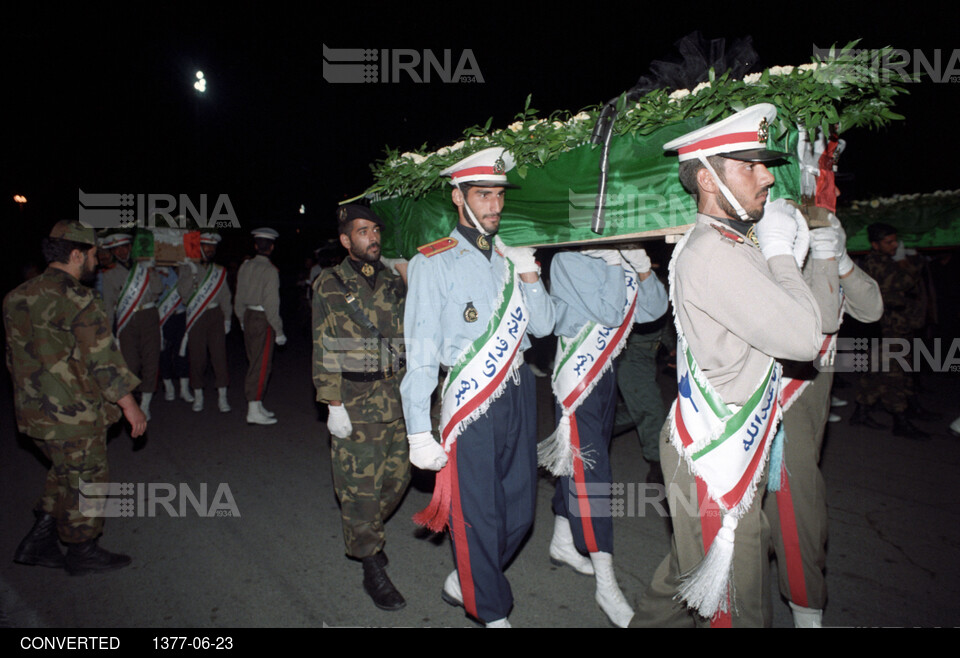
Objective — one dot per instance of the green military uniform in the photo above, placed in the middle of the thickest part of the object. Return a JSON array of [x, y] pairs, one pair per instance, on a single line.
[[637, 381], [68, 374], [903, 313], [371, 467]]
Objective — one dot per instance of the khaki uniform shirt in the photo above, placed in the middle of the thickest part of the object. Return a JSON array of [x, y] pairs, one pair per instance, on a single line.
[[737, 309], [115, 279], [258, 284], [188, 282]]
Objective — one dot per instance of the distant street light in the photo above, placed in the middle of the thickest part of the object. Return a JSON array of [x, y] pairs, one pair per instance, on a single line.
[[20, 200], [201, 83]]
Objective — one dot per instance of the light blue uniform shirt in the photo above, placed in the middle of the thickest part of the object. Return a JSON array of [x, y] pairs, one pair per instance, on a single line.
[[586, 289], [442, 290]]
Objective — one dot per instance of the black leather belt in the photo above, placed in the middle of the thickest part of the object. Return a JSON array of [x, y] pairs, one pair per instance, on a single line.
[[375, 376]]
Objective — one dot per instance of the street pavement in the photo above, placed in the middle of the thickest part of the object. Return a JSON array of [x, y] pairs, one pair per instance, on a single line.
[[265, 549]]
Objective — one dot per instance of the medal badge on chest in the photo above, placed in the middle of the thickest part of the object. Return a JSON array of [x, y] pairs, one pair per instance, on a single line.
[[470, 313], [367, 270]]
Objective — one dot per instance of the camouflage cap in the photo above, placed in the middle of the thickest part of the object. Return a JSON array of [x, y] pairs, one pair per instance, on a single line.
[[73, 230]]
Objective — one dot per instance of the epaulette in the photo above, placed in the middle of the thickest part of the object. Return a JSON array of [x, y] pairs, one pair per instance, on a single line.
[[730, 236], [437, 246]]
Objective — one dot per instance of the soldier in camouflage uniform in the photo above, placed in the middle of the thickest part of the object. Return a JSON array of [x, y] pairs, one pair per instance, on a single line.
[[70, 384], [903, 314], [357, 374]]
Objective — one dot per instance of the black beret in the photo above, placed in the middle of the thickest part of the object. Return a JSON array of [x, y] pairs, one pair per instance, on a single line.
[[351, 211]]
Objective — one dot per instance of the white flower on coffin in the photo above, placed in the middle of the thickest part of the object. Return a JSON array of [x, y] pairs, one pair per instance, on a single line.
[[812, 66], [516, 126], [678, 94], [702, 85], [536, 123], [752, 78], [781, 70], [582, 116], [416, 157]]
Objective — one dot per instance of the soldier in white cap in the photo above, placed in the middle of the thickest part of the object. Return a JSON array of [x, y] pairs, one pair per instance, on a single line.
[[796, 504], [740, 302], [471, 302], [130, 294], [257, 306], [208, 301]]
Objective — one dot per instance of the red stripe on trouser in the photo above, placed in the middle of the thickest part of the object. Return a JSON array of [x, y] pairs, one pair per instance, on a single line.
[[459, 530], [710, 523], [790, 537], [264, 363], [583, 498]]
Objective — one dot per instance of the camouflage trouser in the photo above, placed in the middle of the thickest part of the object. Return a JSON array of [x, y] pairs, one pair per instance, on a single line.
[[74, 460], [893, 388], [637, 380], [371, 472]]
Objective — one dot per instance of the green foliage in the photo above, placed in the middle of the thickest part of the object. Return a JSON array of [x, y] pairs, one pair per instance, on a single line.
[[847, 89]]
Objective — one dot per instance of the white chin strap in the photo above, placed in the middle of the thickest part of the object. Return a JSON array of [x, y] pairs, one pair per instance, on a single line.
[[469, 213], [728, 195]]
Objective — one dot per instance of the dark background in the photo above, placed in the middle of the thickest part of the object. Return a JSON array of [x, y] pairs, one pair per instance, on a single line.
[[100, 97]]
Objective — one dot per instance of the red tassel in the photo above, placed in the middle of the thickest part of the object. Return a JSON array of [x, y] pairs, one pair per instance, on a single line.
[[436, 515]]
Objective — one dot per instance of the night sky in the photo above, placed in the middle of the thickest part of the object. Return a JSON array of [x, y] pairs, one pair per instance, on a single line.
[[102, 99]]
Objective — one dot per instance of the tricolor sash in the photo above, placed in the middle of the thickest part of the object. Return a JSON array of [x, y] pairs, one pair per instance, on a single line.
[[581, 363], [211, 284], [132, 294], [168, 304], [725, 447], [476, 379]]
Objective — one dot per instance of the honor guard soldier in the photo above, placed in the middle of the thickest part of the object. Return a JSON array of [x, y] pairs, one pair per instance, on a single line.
[[130, 294], [796, 502], [257, 306], [357, 368], [70, 384], [209, 307], [740, 302], [471, 302], [598, 294], [173, 364]]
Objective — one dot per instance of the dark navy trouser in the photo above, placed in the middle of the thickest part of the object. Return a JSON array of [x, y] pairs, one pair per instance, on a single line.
[[494, 495], [584, 498]]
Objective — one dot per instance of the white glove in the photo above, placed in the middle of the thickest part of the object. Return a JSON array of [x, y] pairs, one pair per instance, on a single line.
[[844, 262], [338, 421], [611, 256], [425, 452], [638, 259], [226, 326], [783, 232], [281, 340], [393, 262], [522, 257], [824, 243]]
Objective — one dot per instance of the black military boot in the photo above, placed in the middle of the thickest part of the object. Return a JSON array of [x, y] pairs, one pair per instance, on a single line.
[[861, 416], [88, 557], [903, 427], [40, 548], [377, 584]]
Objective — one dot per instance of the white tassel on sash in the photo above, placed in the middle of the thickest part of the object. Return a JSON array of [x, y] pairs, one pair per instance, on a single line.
[[706, 587]]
